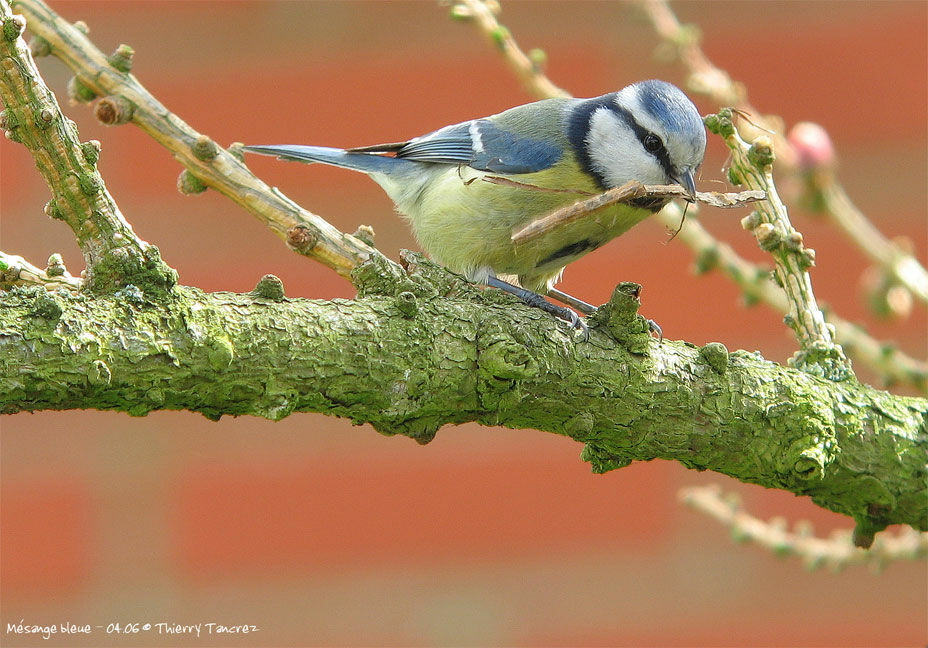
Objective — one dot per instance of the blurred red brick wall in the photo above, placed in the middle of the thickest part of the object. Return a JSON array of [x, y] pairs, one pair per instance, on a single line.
[[322, 533]]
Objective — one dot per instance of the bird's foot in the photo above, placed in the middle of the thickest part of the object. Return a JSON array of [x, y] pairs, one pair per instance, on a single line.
[[537, 301]]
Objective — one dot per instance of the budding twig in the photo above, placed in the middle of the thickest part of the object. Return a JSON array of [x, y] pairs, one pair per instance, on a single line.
[[33, 117], [752, 166], [16, 271], [483, 15], [212, 165], [707, 79], [835, 552], [756, 284]]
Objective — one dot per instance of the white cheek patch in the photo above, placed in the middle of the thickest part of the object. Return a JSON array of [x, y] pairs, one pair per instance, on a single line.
[[616, 154], [605, 129]]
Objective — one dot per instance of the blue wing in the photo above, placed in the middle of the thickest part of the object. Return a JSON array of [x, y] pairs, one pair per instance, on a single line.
[[481, 145]]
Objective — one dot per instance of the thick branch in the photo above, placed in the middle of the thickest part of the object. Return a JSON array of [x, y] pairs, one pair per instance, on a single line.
[[416, 352], [433, 353]]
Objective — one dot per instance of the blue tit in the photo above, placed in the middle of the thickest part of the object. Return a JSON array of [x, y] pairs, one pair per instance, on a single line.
[[467, 187]]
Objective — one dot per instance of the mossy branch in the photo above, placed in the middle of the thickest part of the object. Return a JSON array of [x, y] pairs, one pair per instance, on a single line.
[[419, 349], [426, 351]]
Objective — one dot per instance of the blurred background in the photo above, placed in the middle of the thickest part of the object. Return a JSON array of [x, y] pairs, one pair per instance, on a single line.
[[321, 533]]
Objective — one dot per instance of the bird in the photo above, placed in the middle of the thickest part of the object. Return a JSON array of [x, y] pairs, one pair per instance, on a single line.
[[466, 187]]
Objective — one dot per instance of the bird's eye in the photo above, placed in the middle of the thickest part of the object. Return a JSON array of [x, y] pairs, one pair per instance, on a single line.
[[652, 143]]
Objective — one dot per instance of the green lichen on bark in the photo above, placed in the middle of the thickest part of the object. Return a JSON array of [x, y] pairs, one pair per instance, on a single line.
[[469, 355], [31, 116]]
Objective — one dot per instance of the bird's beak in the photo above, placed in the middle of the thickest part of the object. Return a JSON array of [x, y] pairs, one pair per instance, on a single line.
[[687, 182]]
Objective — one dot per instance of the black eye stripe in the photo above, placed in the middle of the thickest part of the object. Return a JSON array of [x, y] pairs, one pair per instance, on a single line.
[[643, 134]]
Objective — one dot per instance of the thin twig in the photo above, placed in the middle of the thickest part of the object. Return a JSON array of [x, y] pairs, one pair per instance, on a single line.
[[900, 264], [628, 192], [211, 165], [707, 79], [16, 271], [483, 14], [752, 164], [33, 117], [836, 552], [894, 366]]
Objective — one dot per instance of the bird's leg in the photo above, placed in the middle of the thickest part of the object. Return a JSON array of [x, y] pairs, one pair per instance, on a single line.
[[537, 301], [570, 300]]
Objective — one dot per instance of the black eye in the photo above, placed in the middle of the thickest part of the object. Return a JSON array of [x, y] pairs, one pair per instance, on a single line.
[[652, 143]]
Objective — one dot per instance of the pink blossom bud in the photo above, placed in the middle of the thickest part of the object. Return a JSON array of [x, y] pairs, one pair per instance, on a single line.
[[812, 146]]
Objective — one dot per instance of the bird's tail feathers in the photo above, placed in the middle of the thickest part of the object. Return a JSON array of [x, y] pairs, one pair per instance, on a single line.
[[364, 162]]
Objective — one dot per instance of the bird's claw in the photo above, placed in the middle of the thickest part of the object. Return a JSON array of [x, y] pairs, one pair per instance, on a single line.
[[566, 314], [576, 322], [654, 327]]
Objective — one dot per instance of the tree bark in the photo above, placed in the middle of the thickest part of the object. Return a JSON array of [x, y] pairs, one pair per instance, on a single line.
[[421, 351]]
